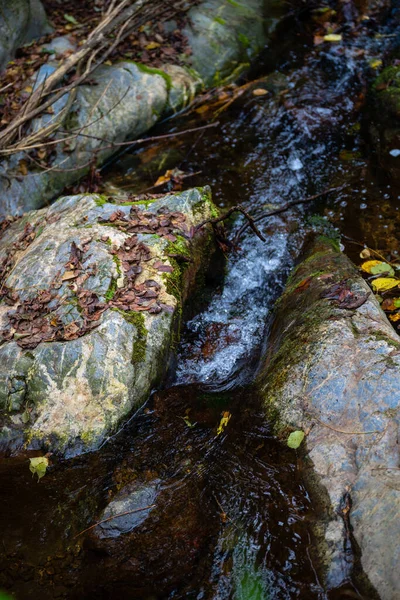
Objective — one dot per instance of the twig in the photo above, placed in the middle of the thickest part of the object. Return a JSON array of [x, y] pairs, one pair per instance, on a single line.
[[128, 512], [286, 207], [345, 432], [223, 217]]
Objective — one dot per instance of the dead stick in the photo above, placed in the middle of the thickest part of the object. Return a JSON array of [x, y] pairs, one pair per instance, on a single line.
[[287, 206], [128, 512], [237, 208]]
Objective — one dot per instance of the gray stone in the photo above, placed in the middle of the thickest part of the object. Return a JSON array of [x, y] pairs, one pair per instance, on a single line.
[[226, 36], [132, 499], [334, 372], [69, 395], [21, 21]]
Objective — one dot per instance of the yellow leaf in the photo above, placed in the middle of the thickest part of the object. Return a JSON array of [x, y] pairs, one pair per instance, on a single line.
[[152, 46], [38, 466], [224, 422], [394, 317], [108, 62], [260, 92], [202, 109], [374, 64], [333, 37], [367, 266], [164, 178], [384, 283], [28, 89]]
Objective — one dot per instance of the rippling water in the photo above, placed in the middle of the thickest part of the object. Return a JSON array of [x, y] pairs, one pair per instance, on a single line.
[[235, 519]]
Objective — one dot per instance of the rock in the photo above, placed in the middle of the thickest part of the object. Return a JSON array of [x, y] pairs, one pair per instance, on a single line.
[[21, 21], [129, 503], [89, 312], [126, 99], [226, 36], [333, 370], [162, 552]]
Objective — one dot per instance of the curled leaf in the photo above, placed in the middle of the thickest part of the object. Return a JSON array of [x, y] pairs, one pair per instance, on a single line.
[[224, 422], [295, 439], [366, 253]]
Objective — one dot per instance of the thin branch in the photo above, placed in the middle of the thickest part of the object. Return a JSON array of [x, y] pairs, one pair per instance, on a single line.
[[288, 206], [238, 208], [128, 512]]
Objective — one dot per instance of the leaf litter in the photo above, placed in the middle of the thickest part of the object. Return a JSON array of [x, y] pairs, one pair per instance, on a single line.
[[41, 319]]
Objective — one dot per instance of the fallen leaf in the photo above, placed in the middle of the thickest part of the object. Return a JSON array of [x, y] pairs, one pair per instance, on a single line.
[[391, 304], [224, 422], [365, 253], [333, 37], [188, 422], [295, 439], [71, 19], [152, 46], [69, 275], [38, 466], [395, 317], [377, 267], [260, 92], [202, 109], [23, 167], [384, 283], [375, 64]]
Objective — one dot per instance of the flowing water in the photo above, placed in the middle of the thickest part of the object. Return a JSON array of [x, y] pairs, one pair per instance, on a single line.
[[233, 518]]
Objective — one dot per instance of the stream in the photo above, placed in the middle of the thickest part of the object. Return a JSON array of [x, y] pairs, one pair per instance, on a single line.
[[234, 519]]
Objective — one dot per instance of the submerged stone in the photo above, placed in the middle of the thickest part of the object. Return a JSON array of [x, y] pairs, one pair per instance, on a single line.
[[92, 296], [128, 509], [332, 370]]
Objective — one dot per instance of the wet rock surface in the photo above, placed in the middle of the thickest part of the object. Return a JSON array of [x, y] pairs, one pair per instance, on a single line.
[[133, 505], [225, 36], [92, 296], [332, 370]]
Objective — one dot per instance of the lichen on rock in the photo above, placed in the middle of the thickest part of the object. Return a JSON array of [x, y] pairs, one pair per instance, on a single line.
[[86, 313]]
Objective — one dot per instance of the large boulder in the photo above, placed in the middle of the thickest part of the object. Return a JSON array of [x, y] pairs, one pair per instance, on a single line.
[[21, 21], [92, 297], [124, 100], [332, 370]]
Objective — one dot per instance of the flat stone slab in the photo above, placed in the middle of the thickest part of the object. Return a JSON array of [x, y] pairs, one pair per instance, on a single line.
[[91, 300], [333, 371]]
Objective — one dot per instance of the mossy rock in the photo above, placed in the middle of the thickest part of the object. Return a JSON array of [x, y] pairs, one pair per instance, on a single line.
[[333, 372], [66, 393]]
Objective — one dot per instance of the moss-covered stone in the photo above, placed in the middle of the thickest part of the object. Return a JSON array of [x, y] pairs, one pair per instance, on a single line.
[[332, 370], [75, 389]]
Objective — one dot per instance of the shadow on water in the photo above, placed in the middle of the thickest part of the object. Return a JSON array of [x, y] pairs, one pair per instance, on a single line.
[[231, 516]]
